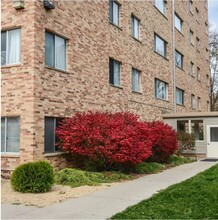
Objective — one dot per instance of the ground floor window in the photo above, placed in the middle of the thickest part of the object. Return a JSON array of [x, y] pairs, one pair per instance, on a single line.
[[51, 139], [195, 127], [10, 134]]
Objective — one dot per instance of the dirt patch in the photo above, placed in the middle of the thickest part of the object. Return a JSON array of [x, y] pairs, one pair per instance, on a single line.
[[58, 193]]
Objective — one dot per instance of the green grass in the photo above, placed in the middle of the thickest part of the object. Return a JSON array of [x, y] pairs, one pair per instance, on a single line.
[[195, 198], [75, 177]]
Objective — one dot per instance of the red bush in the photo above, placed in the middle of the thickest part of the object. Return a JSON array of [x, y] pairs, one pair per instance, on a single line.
[[106, 140], [164, 141]]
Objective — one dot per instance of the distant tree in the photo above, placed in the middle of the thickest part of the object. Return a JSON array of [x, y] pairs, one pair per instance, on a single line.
[[213, 46]]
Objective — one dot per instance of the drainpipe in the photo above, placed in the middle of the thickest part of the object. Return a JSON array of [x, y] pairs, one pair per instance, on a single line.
[[173, 48]]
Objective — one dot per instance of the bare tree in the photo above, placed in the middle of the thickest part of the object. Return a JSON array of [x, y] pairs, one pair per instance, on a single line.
[[213, 45]]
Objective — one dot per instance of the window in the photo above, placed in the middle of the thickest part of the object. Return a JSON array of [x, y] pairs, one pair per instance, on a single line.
[[10, 134], [198, 74], [55, 51], [199, 103], [191, 69], [179, 96], [178, 23], [135, 27], [114, 72], [206, 27], [179, 59], [190, 5], [160, 45], [191, 36], [205, 3], [161, 89], [161, 6], [50, 138], [197, 13], [114, 12], [208, 106], [207, 80], [10, 47], [195, 127], [135, 80], [193, 101], [197, 43]]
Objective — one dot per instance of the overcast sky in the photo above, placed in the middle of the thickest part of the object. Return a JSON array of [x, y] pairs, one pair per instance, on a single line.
[[213, 13]]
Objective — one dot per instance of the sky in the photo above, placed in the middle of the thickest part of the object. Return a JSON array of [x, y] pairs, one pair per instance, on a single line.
[[213, 14]]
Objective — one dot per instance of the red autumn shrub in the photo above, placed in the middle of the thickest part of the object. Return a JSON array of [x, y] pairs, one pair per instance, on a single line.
[[106, 140], [165, 141]]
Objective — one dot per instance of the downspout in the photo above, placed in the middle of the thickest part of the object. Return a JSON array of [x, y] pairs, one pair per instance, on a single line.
[[173, 48]]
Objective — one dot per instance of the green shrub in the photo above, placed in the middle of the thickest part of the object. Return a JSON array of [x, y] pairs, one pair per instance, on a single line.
[[33, 177], [150, 167], [186, 141], [75, 177], [178, 160]]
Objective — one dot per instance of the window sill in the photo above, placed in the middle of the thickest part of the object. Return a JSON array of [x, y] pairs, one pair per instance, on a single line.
[[136, 39], [190, 12], [179, 32], [165, 100], [192, 44], [161, 12], [10, 65], [59, 70], [161, 55], [180, 68], [182, 105], [4, 154], [53, 154], [115, 25], [136, 92], [116, 86]]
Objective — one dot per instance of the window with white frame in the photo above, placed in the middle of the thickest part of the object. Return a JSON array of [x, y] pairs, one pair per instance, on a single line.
[[191, 69], [161, 6], [198, 74], [191, 33], [195, 127], [179, 59], [161, 89], [199, 104], [55, 51], [178, 23], [50, 139], [114, 72], [10, 134], [135, 27], [11, 47], [179, 96], [160, 45], [135, 80], [114, 11], [193, 101]]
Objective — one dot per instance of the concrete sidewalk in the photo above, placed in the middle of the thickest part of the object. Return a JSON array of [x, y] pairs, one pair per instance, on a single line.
[[103, 204]]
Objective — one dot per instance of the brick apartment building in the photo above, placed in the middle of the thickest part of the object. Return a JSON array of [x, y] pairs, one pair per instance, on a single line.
[[96, 55]]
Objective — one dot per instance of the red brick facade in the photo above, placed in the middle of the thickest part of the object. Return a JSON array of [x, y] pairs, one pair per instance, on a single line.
[[31, 91]]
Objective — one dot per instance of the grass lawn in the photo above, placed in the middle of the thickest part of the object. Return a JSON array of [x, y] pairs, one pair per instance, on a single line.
[[196, 198]]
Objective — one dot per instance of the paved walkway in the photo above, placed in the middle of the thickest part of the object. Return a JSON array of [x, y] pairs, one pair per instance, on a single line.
[[103, 204]]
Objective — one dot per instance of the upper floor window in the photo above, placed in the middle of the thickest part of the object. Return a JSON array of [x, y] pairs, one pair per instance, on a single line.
[[11, 47], [198, 74], [197, 44], [161, 6], [114, 72], [55, 51], [160, 45], [161, 89], [178, 23], [10, 134], [135, 27], [191, 36], [179, 96], [207, 80], [179, 59], [199, 103], [191, 69], [208, 106], [197, 13], [206, 26], [193, 101], [135, 80], [114, 12], [50, 137], [190, 5]]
